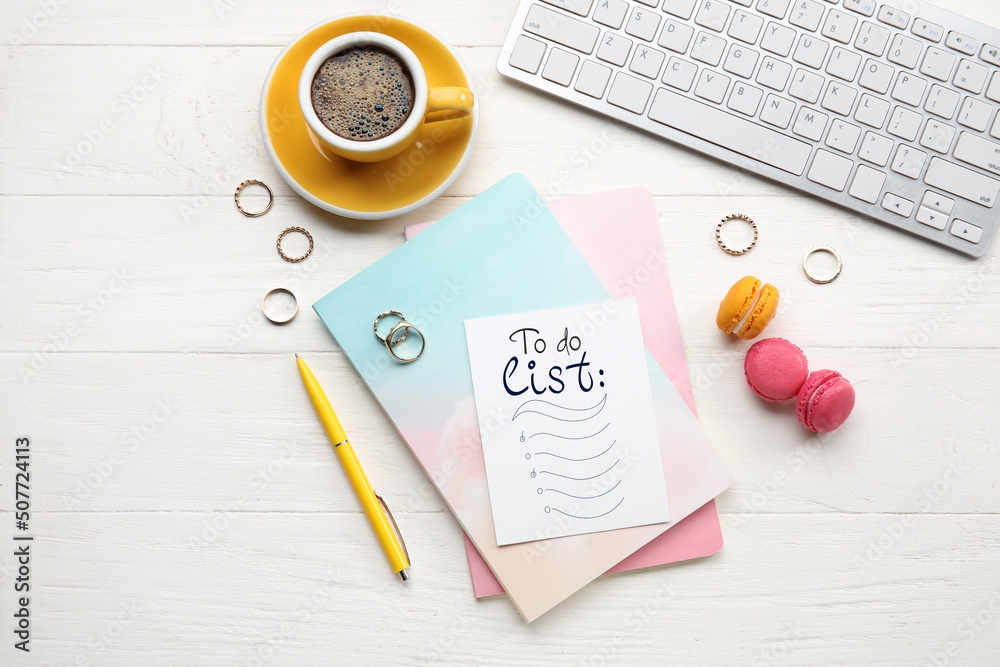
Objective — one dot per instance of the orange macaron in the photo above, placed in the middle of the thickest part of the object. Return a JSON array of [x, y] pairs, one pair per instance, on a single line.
[[747, 308]]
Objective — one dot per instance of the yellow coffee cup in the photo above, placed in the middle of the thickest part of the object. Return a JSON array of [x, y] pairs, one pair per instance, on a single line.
[[429, 105]]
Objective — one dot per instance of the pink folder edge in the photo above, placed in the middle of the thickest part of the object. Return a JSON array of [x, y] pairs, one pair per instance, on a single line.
[[629, 264]]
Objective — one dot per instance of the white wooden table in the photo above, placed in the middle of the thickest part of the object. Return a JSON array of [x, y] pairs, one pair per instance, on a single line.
[[187, 509]]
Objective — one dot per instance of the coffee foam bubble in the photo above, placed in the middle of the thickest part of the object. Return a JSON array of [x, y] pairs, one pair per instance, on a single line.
[[363, 93]]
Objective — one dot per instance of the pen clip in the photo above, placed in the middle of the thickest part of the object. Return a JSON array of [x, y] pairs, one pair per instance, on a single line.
[[395, 528]]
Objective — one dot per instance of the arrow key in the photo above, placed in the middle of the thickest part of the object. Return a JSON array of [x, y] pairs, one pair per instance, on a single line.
[[898, 205], [939, 203], [967, 230], [932, 218]]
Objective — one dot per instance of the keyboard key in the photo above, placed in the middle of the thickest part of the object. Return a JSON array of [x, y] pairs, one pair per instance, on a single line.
[[939, 203], [741, 61], [611, 13], [927, 30], [746, 27], [993, 92], [975, 114], [995, 130], [894, 17], [867, 185], [909, 89], [966, 230], [712, 14], [938, 136], [775, 8], [578, 7], [866, 7], [898, 205], [807, 15], [643, 24], [712, 86], [904, 51], [778, 39], [629, 93], [806, 86], [777, 111], [876, 149], [559, 28], [978, 152], [745, 99], [840, 26], [872, 111], [961, 43], [938, 63], [679, 73], [931, 218], [675, 36], [872, 39], [773, 73], [942, 101], [614, 49], [843, 64], [971, 77], [962, 182], [830, 170], [708, 48], [680, 8], [839, 98], [721, 128], [810, 124], [905, 124], [593, 79], [527, 54], [876, 76], [811, 52], [909, 161], [990, 54], [560, 66], [843, 137], [647, 61]]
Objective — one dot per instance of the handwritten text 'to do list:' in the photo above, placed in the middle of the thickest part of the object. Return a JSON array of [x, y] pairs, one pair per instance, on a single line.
[[566, 416]]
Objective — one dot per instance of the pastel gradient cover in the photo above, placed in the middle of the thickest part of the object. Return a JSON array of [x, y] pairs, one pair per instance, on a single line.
[[630, 264], [502, 252]]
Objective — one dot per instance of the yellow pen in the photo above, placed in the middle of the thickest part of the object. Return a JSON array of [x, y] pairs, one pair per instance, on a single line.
[[375, 508]]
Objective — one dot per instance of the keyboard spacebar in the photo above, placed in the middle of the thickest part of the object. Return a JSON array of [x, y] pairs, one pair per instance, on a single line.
[[723, 129]]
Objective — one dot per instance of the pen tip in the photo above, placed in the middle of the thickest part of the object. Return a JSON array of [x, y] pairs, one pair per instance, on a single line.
[[297, 356]]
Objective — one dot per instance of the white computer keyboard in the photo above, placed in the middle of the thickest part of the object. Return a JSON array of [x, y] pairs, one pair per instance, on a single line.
[[887, 109]]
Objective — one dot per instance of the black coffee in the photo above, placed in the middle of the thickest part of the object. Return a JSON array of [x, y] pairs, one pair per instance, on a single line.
[[362, 93]]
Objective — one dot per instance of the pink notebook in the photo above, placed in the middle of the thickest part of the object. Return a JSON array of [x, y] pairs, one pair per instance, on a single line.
[[618, 235]]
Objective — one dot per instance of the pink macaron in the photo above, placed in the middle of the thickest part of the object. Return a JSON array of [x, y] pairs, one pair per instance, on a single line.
[[825, 401], [775, 369]]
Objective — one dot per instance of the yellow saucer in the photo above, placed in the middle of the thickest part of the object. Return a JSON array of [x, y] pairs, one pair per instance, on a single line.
[[374, 190]]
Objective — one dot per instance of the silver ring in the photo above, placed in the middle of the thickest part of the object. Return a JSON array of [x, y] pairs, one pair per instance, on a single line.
[[735, 216], [836, 256], [389, 342], [253, 214], [385, 313], [263, 305]]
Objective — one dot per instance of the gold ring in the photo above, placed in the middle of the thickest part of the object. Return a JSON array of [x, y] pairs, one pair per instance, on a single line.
[[386, 313], [300, 230], [253, 214], [735, 216], [263, 306], [836, 256], [389, 342]]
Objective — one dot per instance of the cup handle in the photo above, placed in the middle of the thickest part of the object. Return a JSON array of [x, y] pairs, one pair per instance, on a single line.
[[448, 104]]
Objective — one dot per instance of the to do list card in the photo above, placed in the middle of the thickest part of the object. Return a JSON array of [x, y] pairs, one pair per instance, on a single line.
[[566, 417]]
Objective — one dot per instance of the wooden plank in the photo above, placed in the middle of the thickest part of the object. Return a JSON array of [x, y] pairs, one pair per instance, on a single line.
[[295, 589], [142, 431], [206, 295]]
